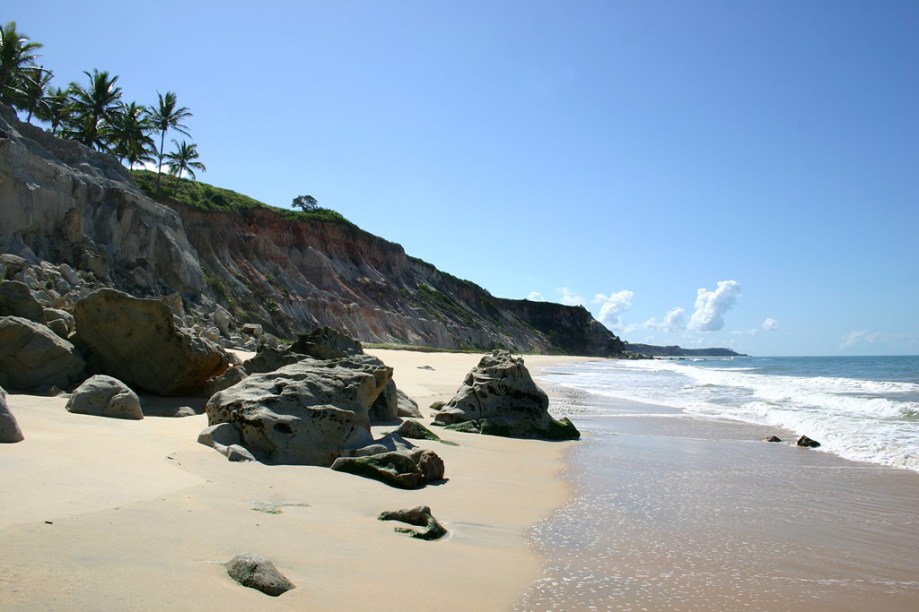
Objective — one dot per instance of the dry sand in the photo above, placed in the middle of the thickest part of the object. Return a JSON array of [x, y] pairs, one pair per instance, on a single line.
[[107, 514]]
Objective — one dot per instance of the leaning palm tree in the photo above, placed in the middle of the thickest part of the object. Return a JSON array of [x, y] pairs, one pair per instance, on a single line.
[[167, 114], [32, 92], [94, 107], [130, 135], [17, 53], [54, 109], [183, 160]]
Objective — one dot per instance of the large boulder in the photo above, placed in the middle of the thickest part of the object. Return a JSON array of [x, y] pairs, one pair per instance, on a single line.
[[34, 358], [499, 397], [16, 300], [306, 413], [105, 396], [139, 342], [9, 428]]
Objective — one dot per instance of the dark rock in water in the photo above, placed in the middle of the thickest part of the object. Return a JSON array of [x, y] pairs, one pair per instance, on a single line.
[[773, 439], [17, 301], [138, 341], [498, 397], [420, 516], [9, 428], [257, 573], [396, 469], [33, 358], [327, 343], [807, 442], [105, 396]]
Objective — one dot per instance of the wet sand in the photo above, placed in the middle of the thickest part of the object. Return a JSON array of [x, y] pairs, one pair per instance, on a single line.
[[683, 513]]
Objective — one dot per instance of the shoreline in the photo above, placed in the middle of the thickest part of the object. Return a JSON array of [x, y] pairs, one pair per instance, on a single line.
[[672, 510], [108, 514]]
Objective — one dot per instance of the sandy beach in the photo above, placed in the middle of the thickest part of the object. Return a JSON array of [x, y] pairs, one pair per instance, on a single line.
[[108, 514]]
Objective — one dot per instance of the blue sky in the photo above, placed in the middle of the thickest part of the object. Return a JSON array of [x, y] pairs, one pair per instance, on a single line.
[[707, 173]]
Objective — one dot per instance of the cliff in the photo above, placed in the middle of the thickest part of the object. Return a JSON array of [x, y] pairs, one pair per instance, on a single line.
[[62, 203]]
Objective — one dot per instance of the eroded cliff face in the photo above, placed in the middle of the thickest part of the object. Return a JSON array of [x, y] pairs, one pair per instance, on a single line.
[[63, 203]]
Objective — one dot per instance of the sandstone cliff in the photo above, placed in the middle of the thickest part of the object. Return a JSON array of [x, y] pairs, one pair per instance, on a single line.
[[65, 204]]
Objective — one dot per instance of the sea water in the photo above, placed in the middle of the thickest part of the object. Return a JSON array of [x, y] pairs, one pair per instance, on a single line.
[[860, 408], [678, 504]]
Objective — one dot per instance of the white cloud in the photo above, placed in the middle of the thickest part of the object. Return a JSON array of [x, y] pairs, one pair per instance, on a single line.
[[535, 296], [612, 306], [711, 306], [569, 298], [675, 319], [859, 337], [770, 324]]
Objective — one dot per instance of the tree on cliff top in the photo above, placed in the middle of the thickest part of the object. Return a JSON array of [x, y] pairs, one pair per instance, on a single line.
[[94, 108], [167, 114], [306, 203], [184, 159], [17, 55]]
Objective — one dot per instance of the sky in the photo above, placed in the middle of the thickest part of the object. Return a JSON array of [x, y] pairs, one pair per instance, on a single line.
[[739, 174]]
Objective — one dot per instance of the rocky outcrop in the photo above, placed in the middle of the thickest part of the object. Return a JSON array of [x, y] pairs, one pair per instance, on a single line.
[[259, 574], [139, 342], [9, 428], [33, 358], [308, 412], [74, 207], [105, 396], [326, 343], [499, 397]]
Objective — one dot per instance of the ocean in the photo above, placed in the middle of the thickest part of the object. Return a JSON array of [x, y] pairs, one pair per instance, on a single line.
[[860, 408], [678, 503]]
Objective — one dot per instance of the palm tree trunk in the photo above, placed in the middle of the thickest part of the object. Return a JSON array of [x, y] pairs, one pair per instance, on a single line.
[[159, 169]]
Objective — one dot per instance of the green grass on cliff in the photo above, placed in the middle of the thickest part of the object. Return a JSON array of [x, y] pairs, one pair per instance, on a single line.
[[196, 194]]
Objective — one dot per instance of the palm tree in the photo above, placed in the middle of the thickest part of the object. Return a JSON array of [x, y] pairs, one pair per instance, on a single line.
[[165, 116], [32, 93], [54, 108], [130, 135], [183, 159], [17, 52], [94, 108]]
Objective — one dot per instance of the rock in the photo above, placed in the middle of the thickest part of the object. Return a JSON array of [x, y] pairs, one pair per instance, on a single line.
[[9, 428], [221, 318], [252, 329], [225, 439], [137, 341], [498, 397], [34, 358], [327, 343], [60, 321], [304, 413], [16, 300], [12, 265], [420, 516], [226, 380], [105, 396], [386, 407], [396, 469], [259, 574], [415, 431], [773, 439], [269, 359], [807, 442], [407, 407]]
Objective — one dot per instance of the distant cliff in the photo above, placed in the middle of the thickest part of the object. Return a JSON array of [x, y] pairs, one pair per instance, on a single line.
[[678, 351], [63, 203]]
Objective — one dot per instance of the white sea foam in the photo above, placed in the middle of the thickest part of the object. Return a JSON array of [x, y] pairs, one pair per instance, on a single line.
[[857, 418]]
